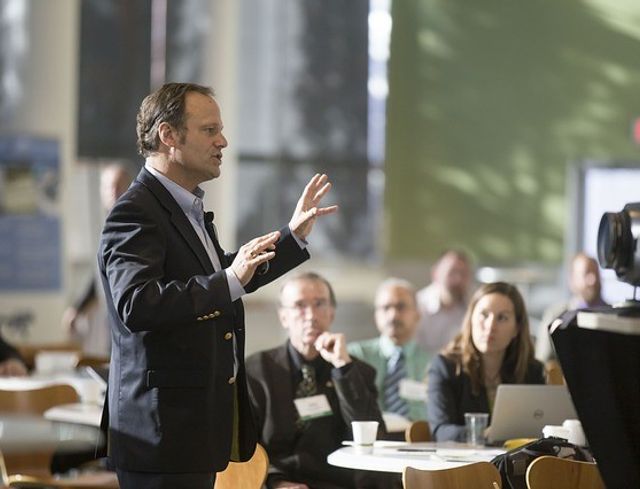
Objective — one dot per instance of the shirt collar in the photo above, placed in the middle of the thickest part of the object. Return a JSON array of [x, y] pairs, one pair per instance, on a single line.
[[388, 347], [190, 203], [297, 360]]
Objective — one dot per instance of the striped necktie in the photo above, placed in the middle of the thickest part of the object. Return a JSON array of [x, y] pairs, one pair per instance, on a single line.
[[396, 371]]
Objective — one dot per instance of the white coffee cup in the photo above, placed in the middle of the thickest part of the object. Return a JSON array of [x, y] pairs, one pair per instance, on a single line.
[[576, 433], [364, 432]]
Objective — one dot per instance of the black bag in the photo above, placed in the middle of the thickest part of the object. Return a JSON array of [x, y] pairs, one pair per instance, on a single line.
[[513, 464]]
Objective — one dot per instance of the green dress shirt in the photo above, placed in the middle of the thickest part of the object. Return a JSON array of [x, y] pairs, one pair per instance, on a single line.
[[377, 351]]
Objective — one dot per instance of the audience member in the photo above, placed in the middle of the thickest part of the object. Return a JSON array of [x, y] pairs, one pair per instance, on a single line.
[[306, 392], [11, 363], [494, 347], [442, 304], [86, 320], [585, 287], [401, 365]]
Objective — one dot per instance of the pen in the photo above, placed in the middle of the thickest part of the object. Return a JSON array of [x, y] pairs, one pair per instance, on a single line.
[[416, 449]]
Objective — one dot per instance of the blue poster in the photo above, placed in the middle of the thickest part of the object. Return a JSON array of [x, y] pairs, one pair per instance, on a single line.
[[30, 250]]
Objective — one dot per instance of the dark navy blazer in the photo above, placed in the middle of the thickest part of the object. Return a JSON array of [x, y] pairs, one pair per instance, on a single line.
[[171, 380]]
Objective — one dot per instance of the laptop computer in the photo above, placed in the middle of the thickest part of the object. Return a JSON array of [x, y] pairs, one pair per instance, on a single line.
[[522, 410]]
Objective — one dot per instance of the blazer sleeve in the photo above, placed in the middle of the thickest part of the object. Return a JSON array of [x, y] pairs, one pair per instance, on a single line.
[[357, 393], [288, 255], [443, 403], [132, 258]]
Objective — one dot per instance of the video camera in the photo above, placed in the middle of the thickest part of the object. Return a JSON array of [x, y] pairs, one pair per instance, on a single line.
[[618, 243], [599, 352]]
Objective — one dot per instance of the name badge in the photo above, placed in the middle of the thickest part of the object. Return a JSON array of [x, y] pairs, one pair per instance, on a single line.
[[412, 390], [313, 407]]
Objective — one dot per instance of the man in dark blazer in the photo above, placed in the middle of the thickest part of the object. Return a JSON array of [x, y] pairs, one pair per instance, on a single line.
[[297, 436], [177, 406], [11, 363]]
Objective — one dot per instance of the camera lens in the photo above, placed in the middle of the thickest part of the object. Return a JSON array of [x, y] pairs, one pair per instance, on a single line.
[[618, 243], [614, 238]]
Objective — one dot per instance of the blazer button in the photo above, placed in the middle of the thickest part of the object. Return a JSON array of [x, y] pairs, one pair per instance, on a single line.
[[232, 380], [228, 336], [211, 316], [215, 314], [199, 318]]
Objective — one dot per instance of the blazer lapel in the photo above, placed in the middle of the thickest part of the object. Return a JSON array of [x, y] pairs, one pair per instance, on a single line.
[[178, 218]]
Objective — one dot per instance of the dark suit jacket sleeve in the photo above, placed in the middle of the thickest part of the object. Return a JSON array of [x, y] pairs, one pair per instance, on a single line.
[[357, 393], [443, 401], [7, 351], [134, 250]]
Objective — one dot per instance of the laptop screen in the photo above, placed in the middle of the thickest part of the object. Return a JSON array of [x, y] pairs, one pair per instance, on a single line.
[[522, 410]]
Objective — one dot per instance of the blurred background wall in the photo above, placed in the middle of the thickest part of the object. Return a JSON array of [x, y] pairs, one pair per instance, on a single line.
[[441, 123], [489, 103]]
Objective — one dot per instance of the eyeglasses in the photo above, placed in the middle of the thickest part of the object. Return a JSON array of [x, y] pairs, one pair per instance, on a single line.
[[320, 305], [399, 307]]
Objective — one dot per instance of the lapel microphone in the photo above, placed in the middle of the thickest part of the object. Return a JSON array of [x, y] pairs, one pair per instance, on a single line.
[[261, 269]]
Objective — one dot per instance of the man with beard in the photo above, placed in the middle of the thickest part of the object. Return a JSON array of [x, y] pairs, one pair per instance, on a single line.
[[585, 287], [443, 303], [401, 365], [306, 392]]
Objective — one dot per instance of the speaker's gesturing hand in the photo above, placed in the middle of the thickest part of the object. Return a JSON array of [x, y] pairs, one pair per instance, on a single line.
[[307, 210], [253, 254]]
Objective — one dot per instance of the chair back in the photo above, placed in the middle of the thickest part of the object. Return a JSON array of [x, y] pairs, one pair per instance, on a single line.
[[559, 473], [417, 431], [37, 401], [553, 373], [245, 475], [480, 475], [4, 475]]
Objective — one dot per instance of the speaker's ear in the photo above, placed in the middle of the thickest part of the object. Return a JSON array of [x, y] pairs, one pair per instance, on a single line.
[[167, 134]]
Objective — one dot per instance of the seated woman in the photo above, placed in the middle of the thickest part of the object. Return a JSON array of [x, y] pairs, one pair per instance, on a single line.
[[494, 347]]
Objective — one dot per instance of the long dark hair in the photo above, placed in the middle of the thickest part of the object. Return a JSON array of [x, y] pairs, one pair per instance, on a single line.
[[519, 353]]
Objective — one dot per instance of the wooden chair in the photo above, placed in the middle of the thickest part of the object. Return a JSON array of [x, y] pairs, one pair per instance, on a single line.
[[93, 361], [480, 475], [553, 372], [417, 431], [4, 475], [37, 401], [245, 475], [559, 473], [33, 469]]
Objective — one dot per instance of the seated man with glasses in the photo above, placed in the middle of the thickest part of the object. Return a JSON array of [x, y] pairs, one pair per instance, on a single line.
[[306, 392], [400, 363]]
